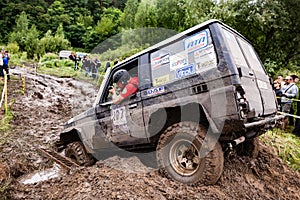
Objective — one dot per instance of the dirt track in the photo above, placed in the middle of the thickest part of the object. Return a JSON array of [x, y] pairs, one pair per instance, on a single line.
[[39, 115]]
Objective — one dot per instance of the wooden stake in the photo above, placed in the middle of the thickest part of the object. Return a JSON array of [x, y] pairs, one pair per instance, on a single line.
[[5, 93]]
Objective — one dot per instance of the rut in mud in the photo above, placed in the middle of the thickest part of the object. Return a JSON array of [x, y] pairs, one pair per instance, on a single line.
[[50, 102]]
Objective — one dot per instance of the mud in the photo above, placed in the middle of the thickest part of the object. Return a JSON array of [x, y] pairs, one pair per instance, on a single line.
[[49, 102]]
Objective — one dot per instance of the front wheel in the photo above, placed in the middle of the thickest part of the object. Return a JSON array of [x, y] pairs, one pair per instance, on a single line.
[[78, 154], [179, 155]]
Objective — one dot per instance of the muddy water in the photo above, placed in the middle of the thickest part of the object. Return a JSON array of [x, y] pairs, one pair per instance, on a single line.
[[47, 103], [42, 175], [46, 91]]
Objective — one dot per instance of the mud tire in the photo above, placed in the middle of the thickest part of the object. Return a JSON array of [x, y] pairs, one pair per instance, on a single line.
[[76, 152], [188, 137], [249, 148]]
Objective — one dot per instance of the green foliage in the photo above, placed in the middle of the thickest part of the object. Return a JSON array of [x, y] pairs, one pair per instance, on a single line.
[[5, 121], [267, 24], [18, 59], [20, 31], [175, 15], [32, 42], [271, 66], [272, 26], [127, 19], [146, 15], [121, 52], [286, 145], [105, 28], [27, 39], [198, 11], [13, 47], [51, 60], [56, 14], [56, 43]]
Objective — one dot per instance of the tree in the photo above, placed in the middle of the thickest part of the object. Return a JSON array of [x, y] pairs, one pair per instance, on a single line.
[[271, 26], [31, 42], [56, 43], [127, 20], [175, 15], [108, 26], [20, 31], [146, 15], [197, 11], [56, 14]]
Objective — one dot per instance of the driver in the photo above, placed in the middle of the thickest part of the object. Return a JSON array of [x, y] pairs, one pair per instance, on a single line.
[[128, 85]]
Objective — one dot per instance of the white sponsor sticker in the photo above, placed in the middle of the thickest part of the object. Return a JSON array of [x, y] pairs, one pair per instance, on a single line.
[[205, 58], [197, 41], [159, 61], [262, 85], [156, 90], [178, 60], [185, 71]]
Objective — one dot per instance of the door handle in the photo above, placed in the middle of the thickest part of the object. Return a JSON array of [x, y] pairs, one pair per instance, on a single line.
[[133, 106]]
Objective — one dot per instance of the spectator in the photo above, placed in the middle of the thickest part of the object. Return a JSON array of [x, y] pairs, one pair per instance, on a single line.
[[127, 84], [292, 111], [107, 64], [289, 90], [1, 64], [295, 78], [75, 59], [280, 80], [296, 130], [91, 67], [6, 59], [97, 64], [85, 65], [278, 92]]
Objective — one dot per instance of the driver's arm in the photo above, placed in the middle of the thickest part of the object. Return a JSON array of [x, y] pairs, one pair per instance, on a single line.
[[116, 98]]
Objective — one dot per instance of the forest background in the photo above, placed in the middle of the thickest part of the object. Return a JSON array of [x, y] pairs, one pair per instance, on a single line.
[[41, 26]]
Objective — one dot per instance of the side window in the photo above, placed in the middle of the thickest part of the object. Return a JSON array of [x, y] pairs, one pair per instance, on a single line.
[[251, 56], [132, 69], [242, 51], [186, 57], [235, 49]]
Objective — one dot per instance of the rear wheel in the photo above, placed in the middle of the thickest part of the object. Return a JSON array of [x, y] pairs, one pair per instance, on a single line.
[[178, 154], [78, 154]]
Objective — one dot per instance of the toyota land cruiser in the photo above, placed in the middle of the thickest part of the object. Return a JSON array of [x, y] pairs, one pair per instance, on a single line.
[[200, 93]]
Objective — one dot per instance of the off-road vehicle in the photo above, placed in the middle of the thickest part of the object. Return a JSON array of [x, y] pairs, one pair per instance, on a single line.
[[200, 93]]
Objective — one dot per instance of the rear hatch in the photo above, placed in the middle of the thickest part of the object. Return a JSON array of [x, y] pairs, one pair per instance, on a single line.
[[254, 79]]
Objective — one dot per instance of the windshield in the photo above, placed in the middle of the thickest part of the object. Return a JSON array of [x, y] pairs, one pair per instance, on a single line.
[[102, 86]]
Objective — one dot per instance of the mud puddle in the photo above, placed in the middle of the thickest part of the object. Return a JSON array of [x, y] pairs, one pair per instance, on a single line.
[[43, 175]]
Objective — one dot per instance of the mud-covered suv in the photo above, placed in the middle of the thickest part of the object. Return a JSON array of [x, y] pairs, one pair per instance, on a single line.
[[201, 92]]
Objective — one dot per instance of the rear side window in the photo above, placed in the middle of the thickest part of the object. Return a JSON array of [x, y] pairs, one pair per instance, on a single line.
[[242, 52], [251, 56], [235, 49], [187, 57]]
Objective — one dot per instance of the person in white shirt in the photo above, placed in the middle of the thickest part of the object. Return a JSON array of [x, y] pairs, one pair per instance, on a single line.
[[289, 91]]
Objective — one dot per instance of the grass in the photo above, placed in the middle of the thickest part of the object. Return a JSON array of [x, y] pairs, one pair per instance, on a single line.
[[5, 118], [285, 144], [67, 70], [58, 71], [4, 122]]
